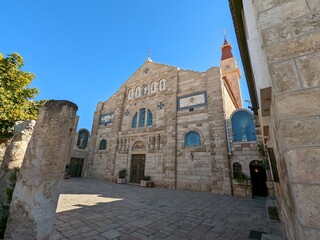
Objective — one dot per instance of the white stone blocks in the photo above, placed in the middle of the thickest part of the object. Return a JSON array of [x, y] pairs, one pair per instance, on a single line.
[[298, 104], [306, 198], [301, 132], [282, 13], [285, 77], [294, 48], [303, 165], [309, 68]]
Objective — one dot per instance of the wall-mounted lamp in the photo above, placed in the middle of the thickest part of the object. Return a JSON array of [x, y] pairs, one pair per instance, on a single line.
[[192, 156]]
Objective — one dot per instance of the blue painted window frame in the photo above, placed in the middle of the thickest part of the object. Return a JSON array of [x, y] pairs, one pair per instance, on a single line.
[[134, 120], [149, 118], [142, 117], [243, 128], [145, 118], [192, 139]]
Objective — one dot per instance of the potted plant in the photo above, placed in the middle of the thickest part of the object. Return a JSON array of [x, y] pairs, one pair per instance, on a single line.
[[144, 181], [242, 178], [122, 176]]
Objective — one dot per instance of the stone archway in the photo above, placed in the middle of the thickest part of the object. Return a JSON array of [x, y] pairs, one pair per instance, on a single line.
[[138, 160], [258, 179]]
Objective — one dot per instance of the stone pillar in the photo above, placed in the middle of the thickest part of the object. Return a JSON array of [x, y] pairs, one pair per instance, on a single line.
[[3, 147], [14, 153], [36, 194]]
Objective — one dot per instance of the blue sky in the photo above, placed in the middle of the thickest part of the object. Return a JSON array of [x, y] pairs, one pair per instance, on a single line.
[[83, 51]]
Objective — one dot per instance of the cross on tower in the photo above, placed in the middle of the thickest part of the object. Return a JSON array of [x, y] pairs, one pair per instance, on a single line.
[[149, 58]]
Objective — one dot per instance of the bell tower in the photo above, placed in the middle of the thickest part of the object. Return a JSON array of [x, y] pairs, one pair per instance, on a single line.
[[230, 71]]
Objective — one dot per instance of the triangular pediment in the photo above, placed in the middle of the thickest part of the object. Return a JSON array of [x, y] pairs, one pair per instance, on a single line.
[[149, 71]]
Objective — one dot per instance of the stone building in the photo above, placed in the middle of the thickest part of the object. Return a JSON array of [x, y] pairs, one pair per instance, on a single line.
[[280, 47], [79, 153], [171, 124]]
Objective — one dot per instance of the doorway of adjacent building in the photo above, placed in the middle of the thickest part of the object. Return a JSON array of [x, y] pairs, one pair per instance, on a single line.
[[75, 168], [137, 167], [258, 179]]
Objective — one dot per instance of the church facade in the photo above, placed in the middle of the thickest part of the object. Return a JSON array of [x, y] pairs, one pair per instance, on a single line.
[[172, 125]]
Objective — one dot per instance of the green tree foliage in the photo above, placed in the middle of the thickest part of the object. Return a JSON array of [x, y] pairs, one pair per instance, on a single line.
[[16, 99]]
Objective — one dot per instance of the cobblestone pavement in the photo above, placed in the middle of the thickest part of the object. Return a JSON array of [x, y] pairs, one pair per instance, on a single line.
[[92, 209]]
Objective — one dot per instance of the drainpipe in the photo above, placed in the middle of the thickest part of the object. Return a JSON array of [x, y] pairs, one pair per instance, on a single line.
[[228, 139], [229, 156]]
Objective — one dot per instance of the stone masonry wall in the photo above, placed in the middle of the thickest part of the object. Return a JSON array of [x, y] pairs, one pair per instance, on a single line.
[[218, 142], [120, 136], [194, 169], [290, 32], [229, 106], [168, 161]]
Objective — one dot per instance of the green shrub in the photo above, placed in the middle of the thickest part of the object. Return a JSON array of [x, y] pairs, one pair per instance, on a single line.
[[122, 173], [146, 178]]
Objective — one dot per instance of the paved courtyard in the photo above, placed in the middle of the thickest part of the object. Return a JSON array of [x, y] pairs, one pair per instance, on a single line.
[[92, 209]]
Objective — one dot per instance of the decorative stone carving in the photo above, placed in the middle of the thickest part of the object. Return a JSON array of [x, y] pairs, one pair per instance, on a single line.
[[160, 105], [154, 143], [145, 89], [146, 70], [127, 112], [138, 146], [123, 145]]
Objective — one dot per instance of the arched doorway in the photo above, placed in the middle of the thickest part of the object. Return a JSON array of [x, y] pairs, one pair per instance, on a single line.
[[258, 179], [137, 162], [75, 168]]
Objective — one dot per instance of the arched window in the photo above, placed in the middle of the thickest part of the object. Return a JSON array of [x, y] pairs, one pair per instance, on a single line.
[[162, 85], [237, 169], [134, 120], [243, 126], [149, 118], [145, 89], [103, 145], [83, 136], [142, 118], [130, 94], [138, 91], [192, 139], [153, 87]]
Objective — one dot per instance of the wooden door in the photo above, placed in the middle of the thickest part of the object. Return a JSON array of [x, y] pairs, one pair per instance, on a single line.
[[137, 167]]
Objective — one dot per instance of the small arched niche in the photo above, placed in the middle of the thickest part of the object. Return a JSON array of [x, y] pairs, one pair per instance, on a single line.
[[138, 146]]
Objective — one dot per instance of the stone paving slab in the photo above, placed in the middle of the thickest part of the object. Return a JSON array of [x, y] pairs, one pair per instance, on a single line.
[[93, 209]]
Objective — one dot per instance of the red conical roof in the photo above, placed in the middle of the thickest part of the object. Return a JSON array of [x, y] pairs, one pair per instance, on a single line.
[[226, 50]]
